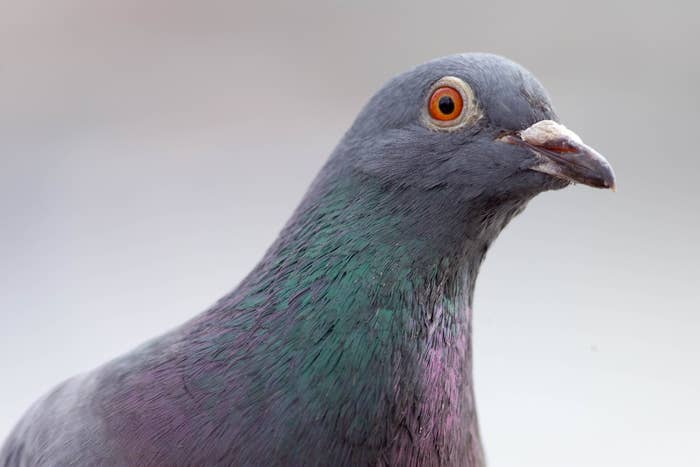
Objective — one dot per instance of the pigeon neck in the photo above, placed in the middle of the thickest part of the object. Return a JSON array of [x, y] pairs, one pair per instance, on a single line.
[[368, 291], [394, 235]]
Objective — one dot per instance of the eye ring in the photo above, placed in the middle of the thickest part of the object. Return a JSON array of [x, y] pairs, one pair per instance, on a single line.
[[450, 104]]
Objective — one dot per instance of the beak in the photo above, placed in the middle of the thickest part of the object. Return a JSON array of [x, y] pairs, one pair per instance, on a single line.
[[562, 154]]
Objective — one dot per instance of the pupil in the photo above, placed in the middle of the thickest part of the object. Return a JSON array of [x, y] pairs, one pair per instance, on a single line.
[[446, 105]]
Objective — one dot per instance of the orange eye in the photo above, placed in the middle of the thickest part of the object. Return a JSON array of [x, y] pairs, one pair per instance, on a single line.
[[445, 104]]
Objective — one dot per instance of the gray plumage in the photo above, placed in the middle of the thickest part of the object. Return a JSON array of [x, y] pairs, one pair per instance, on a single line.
[[350, 342]]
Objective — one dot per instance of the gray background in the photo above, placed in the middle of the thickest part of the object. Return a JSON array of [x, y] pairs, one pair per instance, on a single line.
[[150, 151]]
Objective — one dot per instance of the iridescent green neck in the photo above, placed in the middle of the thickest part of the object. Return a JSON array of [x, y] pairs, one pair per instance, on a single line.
[[361, 315], [360, 232]]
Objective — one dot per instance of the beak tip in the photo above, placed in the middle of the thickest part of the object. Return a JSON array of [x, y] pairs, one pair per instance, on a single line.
[[609, 181], [605, 181]]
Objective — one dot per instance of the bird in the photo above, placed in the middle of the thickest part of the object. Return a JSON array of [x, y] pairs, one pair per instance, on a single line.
[[349, 343]]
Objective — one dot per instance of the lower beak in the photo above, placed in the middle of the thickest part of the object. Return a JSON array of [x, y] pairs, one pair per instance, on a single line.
[[562, 154]]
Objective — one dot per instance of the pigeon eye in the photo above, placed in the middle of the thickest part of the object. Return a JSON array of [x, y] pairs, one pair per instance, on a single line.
[[450, 105], [445, 104]]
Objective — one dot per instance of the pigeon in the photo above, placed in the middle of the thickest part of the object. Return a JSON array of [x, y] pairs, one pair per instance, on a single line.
[[350, 342]]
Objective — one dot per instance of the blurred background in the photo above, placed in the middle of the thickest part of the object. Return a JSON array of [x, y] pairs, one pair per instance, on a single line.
[[151, 151]]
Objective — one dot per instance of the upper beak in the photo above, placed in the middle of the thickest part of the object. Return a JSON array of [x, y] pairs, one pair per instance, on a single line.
[[561, 153]]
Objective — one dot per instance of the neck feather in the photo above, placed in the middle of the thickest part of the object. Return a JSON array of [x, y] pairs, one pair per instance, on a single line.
[[365, 305]]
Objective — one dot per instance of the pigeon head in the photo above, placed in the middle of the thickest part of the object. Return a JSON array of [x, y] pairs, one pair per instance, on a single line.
[[469, 126]]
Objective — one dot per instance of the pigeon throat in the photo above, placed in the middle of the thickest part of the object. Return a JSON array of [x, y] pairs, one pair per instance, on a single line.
[[370, 304]]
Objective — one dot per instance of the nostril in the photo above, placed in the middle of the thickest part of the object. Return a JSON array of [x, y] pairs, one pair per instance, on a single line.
[[510, 137], [505, 135]]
